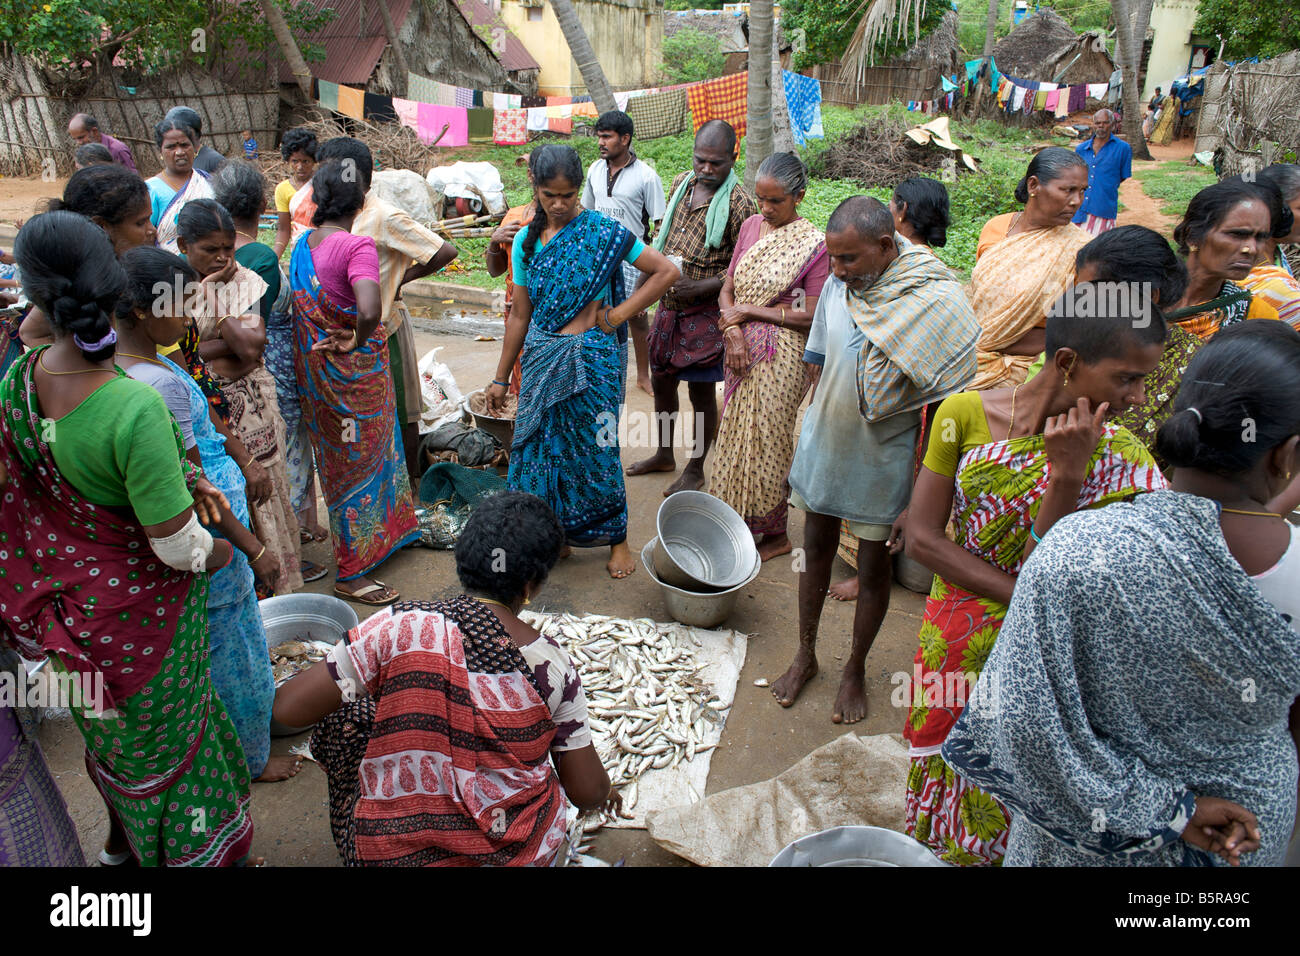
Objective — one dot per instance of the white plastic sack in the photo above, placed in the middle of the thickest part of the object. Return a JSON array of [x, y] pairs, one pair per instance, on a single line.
[[440, 397], [408, 191], [455, 181]]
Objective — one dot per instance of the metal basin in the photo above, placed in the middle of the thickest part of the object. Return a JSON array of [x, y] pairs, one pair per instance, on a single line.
[[290, 616], [706, 542], [693, 608], [502, 429], [912, 574], [856, 846]]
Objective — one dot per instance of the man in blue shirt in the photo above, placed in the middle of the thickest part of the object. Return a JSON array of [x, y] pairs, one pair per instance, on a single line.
[[1110, 162]]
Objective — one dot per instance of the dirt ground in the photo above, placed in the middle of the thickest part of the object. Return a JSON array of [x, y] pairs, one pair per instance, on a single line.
[[21, 198], [1139, 208], [760, 741]]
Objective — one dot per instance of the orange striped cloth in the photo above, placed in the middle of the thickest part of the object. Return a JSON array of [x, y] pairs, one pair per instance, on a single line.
[[725, 98]]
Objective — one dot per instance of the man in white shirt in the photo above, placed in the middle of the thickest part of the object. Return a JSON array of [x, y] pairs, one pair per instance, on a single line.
[[630, 192]]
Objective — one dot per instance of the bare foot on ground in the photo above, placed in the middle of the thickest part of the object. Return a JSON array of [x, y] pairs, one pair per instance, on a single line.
[[620, 563], [315, 533], [654, 463], [771, 545], [645, 386], [280, 768], [691, 479], [846, 590], [788, 685], [566, 552], [851, 701]]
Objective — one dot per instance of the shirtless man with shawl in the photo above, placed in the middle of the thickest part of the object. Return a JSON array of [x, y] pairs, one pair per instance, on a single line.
[[892, 332]]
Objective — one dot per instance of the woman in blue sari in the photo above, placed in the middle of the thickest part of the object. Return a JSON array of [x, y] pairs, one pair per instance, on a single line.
[[569, 304]]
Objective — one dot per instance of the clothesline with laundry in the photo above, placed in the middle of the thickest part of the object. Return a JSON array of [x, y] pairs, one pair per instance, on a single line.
[[1014, 94], [457, 116]]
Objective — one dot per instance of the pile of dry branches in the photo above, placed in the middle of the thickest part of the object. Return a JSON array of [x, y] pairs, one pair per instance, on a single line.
[[878, 154], [393, 145]]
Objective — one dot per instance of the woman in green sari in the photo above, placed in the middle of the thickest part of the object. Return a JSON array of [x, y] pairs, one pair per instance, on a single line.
[[1005, 464], [103, 563]]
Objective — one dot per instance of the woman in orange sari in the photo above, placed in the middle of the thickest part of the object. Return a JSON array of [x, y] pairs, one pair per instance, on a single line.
[[1024, 260]]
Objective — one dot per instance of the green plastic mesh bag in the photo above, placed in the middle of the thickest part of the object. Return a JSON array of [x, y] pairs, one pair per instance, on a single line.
[[448, 494]]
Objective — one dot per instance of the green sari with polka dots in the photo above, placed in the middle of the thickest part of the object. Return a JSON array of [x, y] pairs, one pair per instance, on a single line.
[[80, 585]]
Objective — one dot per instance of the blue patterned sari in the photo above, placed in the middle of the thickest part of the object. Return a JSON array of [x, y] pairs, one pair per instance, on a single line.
[[565, 448], [241, 667]]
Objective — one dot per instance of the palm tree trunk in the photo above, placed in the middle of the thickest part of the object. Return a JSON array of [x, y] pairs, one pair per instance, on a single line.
[[592, 75], [1131, 20], [990, 33], [288, 45], [758, 121], [782, 135], [399, 58]]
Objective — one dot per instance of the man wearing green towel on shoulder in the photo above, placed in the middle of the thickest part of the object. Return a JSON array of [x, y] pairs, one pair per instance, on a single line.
[[706, 208]]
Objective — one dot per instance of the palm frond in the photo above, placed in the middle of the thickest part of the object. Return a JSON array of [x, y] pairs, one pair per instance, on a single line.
[[897, 20]]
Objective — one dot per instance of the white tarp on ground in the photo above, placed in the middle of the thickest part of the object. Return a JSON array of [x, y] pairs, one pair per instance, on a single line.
[[852, 781], [722, 654]]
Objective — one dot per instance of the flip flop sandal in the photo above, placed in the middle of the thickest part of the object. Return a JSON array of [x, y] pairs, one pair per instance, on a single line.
[[114, 859], [311, 571], [360, 597]]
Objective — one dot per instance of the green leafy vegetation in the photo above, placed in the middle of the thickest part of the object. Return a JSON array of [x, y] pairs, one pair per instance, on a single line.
[[1174, 184], [149, 35], [692, 55], [820, 30], [1250, 29]]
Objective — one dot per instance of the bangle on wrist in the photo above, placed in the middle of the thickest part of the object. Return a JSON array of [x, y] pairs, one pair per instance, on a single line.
[[497, 381], [251, 459], [1034, 534], [782, 316], [258, 557]]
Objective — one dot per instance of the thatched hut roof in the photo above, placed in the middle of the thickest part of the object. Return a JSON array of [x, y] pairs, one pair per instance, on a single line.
[[937, 48], [1028, 49], [1082, 60]]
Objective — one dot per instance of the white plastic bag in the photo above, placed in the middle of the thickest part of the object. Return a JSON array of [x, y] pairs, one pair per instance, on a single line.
[[456, 180], [440, 397]]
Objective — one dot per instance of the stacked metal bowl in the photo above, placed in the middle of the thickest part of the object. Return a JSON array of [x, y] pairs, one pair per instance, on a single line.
[[702, 558]]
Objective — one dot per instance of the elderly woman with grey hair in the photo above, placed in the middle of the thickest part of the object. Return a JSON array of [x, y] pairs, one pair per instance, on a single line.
[[767, 303], [241, 188]]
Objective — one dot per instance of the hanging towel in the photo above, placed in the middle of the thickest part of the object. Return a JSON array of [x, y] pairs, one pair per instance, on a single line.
[[510, 127], [1063, 104], [1040, 100], [620, 100], [422, 89], [464, 97], [536, 118], [944, 82], [1097, 91], [479, 125], [1079, 97], [329, 95], [477, 101], [803, 100], [529, 101], [432, 118], [378, 108], [585, 109], [994, 75], [1018, 98], [408, 112], [352, 102], [501, 101], [660, 114], [724, 98]]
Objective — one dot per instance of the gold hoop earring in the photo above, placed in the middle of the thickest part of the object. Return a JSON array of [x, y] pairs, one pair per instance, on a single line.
[[1193, 248]]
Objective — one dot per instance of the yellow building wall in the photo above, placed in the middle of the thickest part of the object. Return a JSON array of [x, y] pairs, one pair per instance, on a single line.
[[1171, 28], [627, 36]]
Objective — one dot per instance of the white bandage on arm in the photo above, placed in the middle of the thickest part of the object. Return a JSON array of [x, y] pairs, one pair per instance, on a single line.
[[181, 549]]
